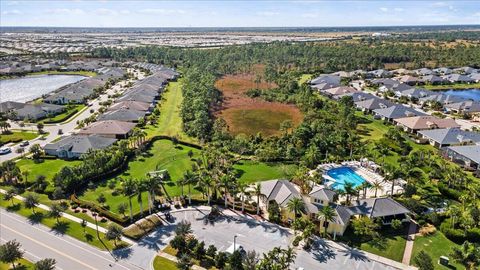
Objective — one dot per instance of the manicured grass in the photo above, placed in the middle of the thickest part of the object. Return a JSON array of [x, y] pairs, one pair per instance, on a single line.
[[21, 264], [389, 244], [304, 78], [48, 168], [17, 136], [435, 245], [57, 72], [170, 122], [162, 155], [251, 171], [64, 226], [161, 263], [65, 116], [457, 86], [391, 247], [252, 121], [370, 128]]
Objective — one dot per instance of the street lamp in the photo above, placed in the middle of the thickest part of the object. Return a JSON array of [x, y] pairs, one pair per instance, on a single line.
[[96, 223], [234, 242]]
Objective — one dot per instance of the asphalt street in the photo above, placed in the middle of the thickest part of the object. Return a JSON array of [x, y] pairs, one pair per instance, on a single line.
[[41, 242]]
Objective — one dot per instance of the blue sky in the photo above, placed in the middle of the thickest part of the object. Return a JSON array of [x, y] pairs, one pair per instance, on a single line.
[[109, 13]]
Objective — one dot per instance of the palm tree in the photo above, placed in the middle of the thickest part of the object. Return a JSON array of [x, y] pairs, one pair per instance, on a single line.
[[242, 188], [257, 190], [55, 211], [189, 178], [376, 186], [139, 189], [296, 205], [114, 232], [326, 214], [10, 195], [31, 202], [129, 190], [349, 191], [225, 184], [151, 184]]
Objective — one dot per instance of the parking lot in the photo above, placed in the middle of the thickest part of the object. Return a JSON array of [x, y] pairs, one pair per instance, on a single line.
[[253, 235]]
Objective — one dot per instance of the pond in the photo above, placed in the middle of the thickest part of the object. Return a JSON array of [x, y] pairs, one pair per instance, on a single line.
[[31, 87], [473, 94]]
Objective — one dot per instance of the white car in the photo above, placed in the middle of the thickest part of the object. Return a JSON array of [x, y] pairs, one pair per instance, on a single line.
[[5, 150]]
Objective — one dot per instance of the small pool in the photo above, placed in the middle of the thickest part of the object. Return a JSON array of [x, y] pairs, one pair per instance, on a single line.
[[343, 175]]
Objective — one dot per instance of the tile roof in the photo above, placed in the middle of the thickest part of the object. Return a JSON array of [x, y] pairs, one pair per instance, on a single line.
[[449, 136], [427, 122]]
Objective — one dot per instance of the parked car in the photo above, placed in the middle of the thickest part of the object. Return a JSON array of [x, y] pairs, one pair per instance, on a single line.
[[24, 143], [5, 150]]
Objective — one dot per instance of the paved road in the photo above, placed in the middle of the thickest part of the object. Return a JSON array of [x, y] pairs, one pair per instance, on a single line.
[[40, 242], [67, 128]]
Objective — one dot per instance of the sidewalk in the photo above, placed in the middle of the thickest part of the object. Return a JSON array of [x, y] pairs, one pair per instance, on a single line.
[[407, 255], [72, 218]]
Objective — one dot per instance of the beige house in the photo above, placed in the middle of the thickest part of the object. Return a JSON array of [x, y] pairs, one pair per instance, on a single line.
[[282, 191], [109, 128], [416, 123]]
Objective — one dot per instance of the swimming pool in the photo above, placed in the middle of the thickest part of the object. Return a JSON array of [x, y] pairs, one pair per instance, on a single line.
[[343, 175]]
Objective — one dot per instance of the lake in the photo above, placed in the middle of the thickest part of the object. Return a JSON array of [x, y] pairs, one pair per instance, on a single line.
[[473, 94], [31, 87]]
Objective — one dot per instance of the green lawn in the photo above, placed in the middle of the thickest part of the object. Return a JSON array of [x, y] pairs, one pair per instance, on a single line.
[[65, 116], [56, 72], [390, 244], [65, 226], [48, 168], [435, 245], [162, 155], [21, 264], [161, 263], [371, 129], [17, 136], [458, 86], [391, 247], [170, 122], [251, 171]]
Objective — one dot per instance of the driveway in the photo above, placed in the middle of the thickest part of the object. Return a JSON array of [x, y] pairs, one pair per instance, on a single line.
[[253, 235]]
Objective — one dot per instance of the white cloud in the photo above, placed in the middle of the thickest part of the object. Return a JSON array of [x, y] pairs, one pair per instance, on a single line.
[[398, 9], [66, 11], [439, 4], [268, 13], [161, 11], [12, 12], [11, 3], [105, 12], [124, 11], [384, 9], [309, 15]]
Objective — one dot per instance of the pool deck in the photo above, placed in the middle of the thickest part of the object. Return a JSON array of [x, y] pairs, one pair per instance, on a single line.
[[365, 170]]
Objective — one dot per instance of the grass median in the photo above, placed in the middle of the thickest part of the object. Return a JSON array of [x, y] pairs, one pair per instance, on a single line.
[[63, 226]]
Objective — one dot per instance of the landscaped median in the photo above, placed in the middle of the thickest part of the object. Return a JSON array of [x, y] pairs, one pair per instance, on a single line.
[[62, 225]]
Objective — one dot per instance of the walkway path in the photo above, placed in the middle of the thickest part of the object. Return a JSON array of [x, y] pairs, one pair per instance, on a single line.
[[412, 230], [72, 218]]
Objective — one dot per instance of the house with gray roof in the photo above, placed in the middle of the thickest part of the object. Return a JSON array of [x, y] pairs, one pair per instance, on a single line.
[[386, 209], [396, 111], [450, 137], [466, 107], [410, 80], [442, 71], [373, 103], [326, 78], [467, 155], [23, 111], [279, 190], [441, 98], [125, 115], [109, 128], [458, 78], [432, 79], [360, 96], [131, 105], [465, 70], [75, 146], [415, 93], [379, 73], [138, 96], [475, 77], [423, 71]]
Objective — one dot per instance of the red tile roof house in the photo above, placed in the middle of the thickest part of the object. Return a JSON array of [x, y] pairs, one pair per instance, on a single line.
[[416, 123], [109, 128]]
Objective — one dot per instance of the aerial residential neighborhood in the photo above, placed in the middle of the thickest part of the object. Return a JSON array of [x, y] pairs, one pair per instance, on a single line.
[[254, 135]]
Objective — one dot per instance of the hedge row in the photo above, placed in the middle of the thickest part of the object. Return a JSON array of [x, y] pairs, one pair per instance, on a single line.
[[459, 235], [72, 113]]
